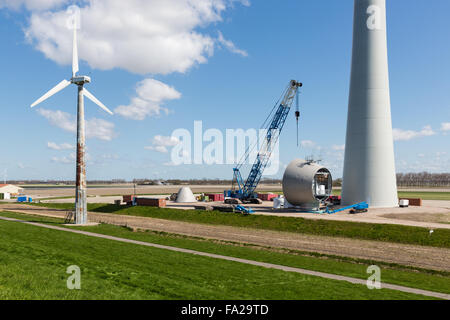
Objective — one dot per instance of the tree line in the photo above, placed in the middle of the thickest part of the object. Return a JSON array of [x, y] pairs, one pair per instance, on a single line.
[[423, 179]]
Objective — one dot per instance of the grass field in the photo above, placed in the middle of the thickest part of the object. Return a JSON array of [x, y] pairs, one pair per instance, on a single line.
[[34, 261], [426, 195], [392, 273], [365, 231]]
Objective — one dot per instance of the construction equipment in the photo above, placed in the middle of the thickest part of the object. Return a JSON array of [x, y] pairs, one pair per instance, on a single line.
[[356, 208], [245, 191], [243, 210], [335, 200]]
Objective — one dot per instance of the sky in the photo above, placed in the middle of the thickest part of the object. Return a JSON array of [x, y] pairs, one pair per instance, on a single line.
[[160, 66]]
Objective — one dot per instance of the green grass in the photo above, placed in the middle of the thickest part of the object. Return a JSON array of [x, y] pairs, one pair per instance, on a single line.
[[425, 195], [34, 261], [395, 274], [355, 230]]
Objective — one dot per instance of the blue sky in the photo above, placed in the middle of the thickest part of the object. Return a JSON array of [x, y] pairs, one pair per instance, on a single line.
[[219, 61]]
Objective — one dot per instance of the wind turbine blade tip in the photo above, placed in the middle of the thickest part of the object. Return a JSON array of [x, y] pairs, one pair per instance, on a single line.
[[60, 86], [91, 97]]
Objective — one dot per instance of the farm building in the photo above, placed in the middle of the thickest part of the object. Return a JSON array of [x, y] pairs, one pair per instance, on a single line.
[[9, 188]]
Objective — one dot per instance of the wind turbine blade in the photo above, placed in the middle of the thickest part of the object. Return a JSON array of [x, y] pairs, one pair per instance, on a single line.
[[91, 97], [62, 85], [75, 67]]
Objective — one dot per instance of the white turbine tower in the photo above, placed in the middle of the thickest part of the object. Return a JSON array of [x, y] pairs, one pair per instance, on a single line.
[[369, 168], [80, 81]]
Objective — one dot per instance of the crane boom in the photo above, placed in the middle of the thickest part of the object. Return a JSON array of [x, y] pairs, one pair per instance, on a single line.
[[246, 191]]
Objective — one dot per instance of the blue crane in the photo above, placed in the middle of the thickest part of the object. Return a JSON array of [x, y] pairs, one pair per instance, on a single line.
[[245, 191]]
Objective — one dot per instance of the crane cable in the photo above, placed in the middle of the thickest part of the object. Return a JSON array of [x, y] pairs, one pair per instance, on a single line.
[[264, 126], [297, 113]]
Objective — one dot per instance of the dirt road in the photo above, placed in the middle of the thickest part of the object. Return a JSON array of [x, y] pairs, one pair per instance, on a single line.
[[411, 255]]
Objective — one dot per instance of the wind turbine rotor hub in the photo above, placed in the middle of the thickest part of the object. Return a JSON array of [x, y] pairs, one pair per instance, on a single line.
[[81, 80]]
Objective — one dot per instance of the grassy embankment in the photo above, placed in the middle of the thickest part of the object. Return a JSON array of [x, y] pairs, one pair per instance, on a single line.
[[32, 256]]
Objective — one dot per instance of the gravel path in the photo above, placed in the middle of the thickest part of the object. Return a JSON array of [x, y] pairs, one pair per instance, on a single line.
[[245, 261], [410, 255]]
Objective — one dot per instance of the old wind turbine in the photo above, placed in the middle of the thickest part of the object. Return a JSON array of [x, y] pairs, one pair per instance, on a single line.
[[80, 196]]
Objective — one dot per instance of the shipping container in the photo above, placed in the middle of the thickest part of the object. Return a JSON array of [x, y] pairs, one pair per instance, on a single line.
[[215, 196], [414, 202], [267, 196], [148, 202]]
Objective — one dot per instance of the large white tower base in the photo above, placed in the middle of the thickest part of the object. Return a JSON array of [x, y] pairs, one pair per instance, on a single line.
[[369, 167]]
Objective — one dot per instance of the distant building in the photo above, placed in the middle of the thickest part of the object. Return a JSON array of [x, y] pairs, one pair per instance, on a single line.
[[9, 188]]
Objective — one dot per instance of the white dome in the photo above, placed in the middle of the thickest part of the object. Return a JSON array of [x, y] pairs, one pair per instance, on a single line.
[[185, 195]]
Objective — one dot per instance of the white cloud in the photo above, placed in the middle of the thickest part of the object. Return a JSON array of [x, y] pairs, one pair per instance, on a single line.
[[231, 46], [170, 164], [338, 147], [100, 129], [405, 135], [437, 162], [161, 143], [109, 156], [308, 144], [70, 159], [150, 95], [65, 160], [59, 119], [140, 36], [445, 126], [160, 149], [95, 128], [62, 146]]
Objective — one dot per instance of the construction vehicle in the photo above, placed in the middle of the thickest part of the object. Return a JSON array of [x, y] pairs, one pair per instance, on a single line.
[[245, 191], [335, 200], [356, 208], [245, 211]]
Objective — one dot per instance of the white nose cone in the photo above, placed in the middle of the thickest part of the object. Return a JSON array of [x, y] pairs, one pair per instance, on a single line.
[[369, 168], [185, 195]]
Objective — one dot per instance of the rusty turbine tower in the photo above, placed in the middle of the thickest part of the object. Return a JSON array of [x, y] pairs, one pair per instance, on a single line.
[[80, 81]]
